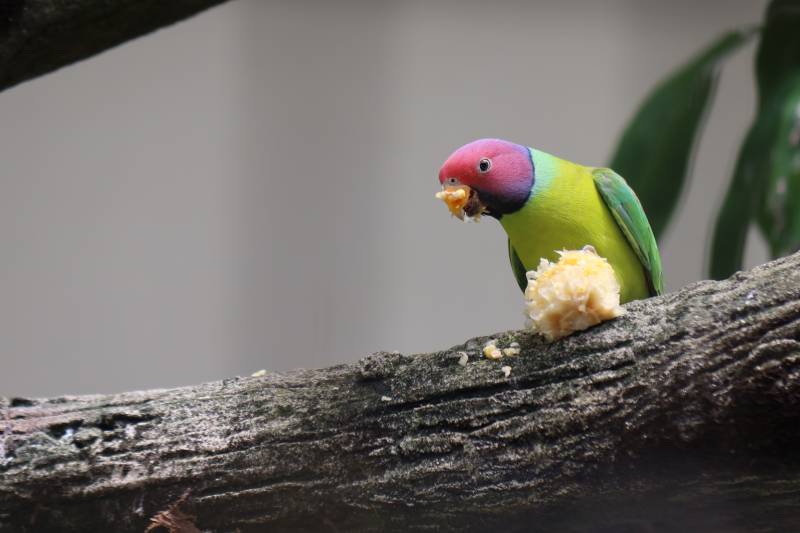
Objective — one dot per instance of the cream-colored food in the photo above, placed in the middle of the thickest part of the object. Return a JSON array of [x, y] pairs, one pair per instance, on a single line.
[[455, 199], [462, 202], [490, 351], [577, 292]]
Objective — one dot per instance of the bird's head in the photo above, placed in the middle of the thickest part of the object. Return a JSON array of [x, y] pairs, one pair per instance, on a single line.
[[495, 176]]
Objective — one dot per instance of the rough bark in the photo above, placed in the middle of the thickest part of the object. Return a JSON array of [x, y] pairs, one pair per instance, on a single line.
[[39, 36], [680, 416]]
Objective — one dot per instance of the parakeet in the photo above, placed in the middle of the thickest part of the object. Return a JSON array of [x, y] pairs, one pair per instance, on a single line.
[[546, 204]]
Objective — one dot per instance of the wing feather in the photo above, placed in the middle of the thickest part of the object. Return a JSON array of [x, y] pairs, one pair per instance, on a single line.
[[517, 267], [629, 215]]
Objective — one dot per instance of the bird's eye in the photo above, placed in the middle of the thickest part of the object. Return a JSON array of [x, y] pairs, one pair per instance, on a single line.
[[484, 165], [452, 181]]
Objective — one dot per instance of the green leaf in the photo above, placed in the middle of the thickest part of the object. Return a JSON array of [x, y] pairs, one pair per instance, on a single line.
[[779, 210], [654, 151], [779, 52], [741, 200], [766, 182], [778, 71]]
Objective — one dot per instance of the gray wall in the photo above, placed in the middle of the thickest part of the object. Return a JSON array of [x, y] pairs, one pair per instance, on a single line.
[[253, 188]]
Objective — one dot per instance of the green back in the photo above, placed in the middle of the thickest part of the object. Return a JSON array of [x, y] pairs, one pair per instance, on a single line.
[[629, 215]]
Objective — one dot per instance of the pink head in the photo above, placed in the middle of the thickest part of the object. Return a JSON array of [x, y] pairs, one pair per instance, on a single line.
[[498, 173]]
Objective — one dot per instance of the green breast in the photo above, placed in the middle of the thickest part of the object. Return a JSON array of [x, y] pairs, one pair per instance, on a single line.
[[565, 211]]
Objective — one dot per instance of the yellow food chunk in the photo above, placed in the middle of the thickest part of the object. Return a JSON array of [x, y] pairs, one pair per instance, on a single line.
[[577, 292], [510, 351], [490, 351], [455, 198]]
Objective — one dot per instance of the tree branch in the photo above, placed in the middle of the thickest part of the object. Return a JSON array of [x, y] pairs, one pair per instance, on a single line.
[[39, 36], [680, 416]]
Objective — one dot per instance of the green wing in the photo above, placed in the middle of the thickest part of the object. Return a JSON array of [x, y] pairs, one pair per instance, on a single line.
[[629, 215], [518, 268]]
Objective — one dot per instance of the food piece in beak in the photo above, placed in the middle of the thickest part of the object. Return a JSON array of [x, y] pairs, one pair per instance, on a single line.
[[461, 200], [455, 198]]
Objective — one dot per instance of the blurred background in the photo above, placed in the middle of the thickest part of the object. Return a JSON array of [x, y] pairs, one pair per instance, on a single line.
[[253, 188]]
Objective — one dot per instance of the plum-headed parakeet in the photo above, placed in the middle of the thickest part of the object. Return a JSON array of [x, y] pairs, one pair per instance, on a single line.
[[546, 204]]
